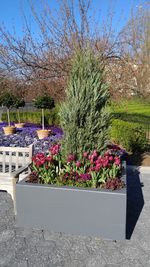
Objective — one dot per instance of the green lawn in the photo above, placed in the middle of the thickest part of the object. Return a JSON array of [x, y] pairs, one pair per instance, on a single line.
[[133, 110]]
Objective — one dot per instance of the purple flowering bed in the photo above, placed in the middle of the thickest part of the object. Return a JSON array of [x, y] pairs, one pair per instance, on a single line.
[[27, 135]]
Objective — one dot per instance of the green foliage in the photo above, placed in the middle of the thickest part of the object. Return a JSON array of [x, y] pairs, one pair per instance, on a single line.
[[131, 136], [44, 102], [51, 117], [84, 116], [19, 103], [8, 100]]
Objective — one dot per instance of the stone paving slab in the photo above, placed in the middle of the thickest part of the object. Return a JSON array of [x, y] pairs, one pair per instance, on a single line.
[[36, 248]]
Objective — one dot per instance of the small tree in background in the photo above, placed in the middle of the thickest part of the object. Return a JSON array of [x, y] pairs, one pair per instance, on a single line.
[[84, 116], [44, 102], [8, 100], [18, 104]]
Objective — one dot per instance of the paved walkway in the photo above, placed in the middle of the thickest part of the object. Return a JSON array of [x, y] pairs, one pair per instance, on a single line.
[[35, 248]]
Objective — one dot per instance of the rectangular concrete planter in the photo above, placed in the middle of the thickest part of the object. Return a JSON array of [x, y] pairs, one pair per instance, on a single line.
[[100, 213]]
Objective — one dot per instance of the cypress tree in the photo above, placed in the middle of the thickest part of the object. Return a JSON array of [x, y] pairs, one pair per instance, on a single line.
[[84, 116]]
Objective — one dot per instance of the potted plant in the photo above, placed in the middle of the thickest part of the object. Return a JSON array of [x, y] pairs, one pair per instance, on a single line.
[[76, 181], [18, 104], [86, 196], [43, 102], [8, 100]]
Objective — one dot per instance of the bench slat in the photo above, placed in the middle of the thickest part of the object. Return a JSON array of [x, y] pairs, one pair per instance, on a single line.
[[13, 158]]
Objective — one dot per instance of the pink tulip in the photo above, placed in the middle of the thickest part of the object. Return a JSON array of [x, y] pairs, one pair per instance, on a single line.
[[97, 167], [85, 155], [95, 154], [92, 169], [49, 158], [105, 163], [70, 158], [99, 159], [117, 161], [55, 149], [89, 157], [78, 164], [107, 153]]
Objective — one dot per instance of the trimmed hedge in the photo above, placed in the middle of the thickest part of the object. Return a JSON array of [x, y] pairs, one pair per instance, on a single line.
[[131, 136], [51, 117]]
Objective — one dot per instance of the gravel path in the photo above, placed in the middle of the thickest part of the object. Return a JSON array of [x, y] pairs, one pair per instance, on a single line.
[[36, 248]]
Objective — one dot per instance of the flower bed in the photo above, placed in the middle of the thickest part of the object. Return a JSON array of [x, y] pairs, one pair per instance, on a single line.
[[91, 170], [27, 135]]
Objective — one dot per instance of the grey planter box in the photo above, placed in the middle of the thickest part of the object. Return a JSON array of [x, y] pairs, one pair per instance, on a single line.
[[100, 213]]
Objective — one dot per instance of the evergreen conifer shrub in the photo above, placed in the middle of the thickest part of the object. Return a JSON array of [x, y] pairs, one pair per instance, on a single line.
[[85, 116]]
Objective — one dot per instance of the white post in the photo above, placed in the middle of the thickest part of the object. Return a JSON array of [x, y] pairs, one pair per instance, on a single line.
[[43, 118], [8, 116], [18, 115]]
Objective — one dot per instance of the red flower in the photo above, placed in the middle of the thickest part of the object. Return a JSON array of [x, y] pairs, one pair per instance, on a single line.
[[55, 149], [92, 161], [99, 160], [92, 169], [70, 158], [107, 153], [97, 167], [89, 157], [43, 161], [39, 159], [95, 154], [78, 164], [117, 161], [49, 158], [105, 163], [38, 163], [85, 155], [85, 176], [111, 158]]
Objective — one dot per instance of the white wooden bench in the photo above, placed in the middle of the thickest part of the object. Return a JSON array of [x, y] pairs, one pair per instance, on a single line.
[[13, 161]]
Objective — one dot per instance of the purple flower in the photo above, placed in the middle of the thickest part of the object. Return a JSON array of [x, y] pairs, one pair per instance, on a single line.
[[27, 135]]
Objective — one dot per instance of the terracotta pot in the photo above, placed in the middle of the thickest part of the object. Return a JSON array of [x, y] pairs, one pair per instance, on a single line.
[[19, 125], [43, 133], [9, 130]]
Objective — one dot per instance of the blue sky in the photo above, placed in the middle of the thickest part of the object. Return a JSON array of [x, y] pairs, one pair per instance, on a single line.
[[10, 11]]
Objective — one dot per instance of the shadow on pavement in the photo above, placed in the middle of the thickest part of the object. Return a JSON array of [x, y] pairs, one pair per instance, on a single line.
[[135, 201]]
